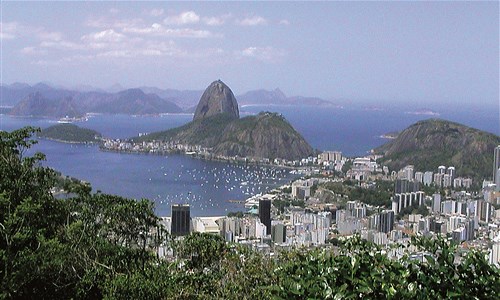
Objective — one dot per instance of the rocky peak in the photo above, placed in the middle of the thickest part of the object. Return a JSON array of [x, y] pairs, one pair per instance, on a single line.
[[217, 99]]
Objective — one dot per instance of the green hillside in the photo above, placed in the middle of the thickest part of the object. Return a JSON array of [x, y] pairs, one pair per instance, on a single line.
[[70, 133], [430, 143], [266, 135]]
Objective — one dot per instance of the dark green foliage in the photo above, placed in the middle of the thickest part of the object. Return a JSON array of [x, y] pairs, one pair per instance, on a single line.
[[52, 248], [95, 246], [378, 196], [413, 209], [199, 132], [70, 133]]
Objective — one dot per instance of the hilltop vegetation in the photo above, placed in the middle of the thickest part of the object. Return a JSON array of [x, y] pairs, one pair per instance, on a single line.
[[266, 135], [95, 246], [431, 143], [70, 133]]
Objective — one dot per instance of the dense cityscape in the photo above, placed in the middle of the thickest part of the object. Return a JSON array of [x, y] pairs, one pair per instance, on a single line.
[[465, 217]]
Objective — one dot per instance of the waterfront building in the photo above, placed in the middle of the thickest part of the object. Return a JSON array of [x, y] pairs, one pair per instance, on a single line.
[[181, 219], [265, 214], [331, 156]]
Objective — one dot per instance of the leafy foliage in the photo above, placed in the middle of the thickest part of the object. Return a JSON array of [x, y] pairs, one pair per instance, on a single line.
[[378, 196], [95, 246]]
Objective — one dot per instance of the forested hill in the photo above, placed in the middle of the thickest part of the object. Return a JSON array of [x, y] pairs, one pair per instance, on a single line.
[[70, 133], [266, 135], [430, 143]]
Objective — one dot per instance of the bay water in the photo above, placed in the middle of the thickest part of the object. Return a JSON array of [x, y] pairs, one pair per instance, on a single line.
[[216, 188]]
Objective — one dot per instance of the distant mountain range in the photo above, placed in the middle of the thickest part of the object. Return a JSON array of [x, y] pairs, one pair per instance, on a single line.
[[430, 143], [33, 100]]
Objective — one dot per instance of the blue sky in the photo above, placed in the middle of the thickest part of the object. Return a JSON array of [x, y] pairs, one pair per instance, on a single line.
[[426, 52]]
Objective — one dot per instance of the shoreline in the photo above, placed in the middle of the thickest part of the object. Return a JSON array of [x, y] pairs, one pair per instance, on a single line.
[[200, 157]]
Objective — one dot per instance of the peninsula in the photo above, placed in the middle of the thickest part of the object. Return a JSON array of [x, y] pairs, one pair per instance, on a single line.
[[217, 130]]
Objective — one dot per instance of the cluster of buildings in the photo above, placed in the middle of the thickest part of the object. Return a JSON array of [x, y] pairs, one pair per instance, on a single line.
[[261, 232], [168, 147], [469, 219], [444, 177]]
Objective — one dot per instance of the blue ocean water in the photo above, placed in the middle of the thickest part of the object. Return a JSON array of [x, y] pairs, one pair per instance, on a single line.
[[206, 185]]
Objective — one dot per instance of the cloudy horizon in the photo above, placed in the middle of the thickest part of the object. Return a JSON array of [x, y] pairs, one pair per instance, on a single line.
[[428, 52]]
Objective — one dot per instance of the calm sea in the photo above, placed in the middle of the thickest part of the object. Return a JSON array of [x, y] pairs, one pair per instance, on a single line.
[[209, 186]]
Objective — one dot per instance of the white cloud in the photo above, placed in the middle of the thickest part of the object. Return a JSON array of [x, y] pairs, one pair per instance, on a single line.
[[113, 23], [253, 21], [50, 36], [62, 45], [10, 30], [108, 35], [284, 22], [187, 17], [265, 54], [33, 51], [213, 21], [159, 30], [156, 12], [6, 36]]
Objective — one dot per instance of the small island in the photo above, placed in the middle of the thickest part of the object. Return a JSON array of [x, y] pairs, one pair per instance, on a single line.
[[70, 133]]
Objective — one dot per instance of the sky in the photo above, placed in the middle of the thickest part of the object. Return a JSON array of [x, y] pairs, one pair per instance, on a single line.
[[426, 52]]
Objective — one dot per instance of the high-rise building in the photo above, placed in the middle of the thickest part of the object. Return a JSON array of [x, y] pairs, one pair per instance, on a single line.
[[451, 172], [408, 171], [497, 182], [447, 180], [386, 221], [442, 170], [279, 233], [419, 176], [496, 162], [428, 178], [181, 219], [334, 156], [438, 179], [265, 214], [436, 203]]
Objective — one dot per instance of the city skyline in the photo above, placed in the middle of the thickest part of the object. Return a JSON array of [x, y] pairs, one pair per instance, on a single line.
[[432, 52]]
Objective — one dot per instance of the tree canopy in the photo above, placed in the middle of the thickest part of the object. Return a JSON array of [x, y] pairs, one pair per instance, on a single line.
[[95, 246]]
